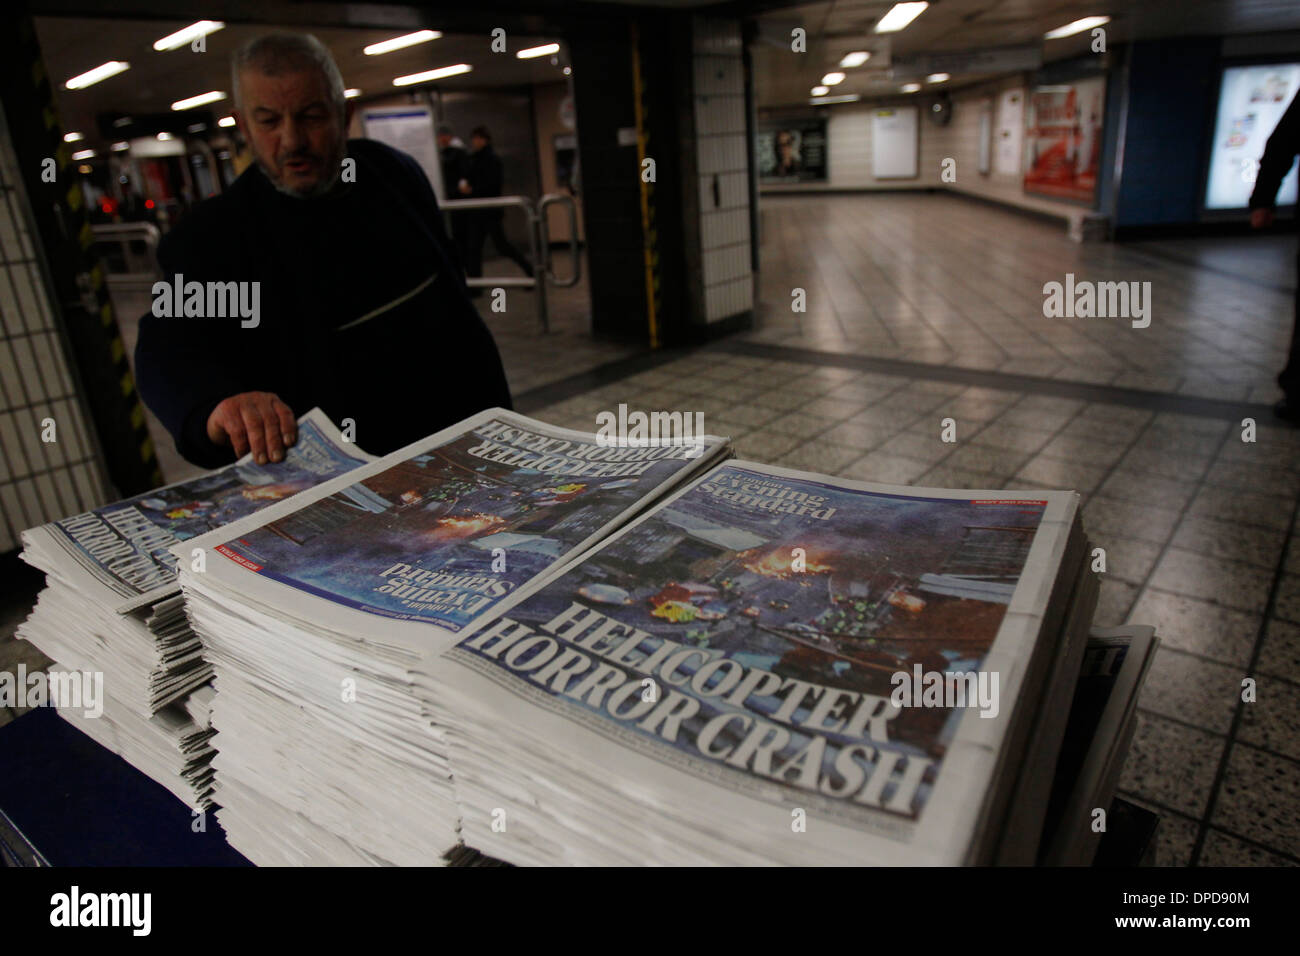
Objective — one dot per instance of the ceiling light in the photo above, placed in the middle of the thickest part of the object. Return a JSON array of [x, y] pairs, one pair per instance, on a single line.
[[538, 51], [188, 104], [830, 79], [72, 137], [164, 137], [226, 121], [820, 90], [83, 154], [843, 98], [857, 58], [120, 147], [909, 87], [188, 35], [101, 72], [938, 78], [1078, 26], [84, 170], [348, 94], [122, 121], [432, 74], [398, 43], [899, 16], [568, 70]]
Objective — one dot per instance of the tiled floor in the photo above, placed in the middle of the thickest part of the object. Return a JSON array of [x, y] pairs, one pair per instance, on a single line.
[[1199, 526], [922, 308]]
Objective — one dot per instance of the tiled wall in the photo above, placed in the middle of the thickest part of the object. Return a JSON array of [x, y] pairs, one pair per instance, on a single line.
[[39, 480], [849, 151], [723, 151]]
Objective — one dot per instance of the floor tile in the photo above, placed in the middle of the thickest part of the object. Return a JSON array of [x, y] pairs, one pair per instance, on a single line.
[[1199, 627], [1220, 849], [1218, 689], [1233, 585], [1258, 797], [1171, 764]]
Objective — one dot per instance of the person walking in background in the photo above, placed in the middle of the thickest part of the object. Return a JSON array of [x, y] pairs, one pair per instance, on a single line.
[[484, 177], [1279, 154], [453, 158]]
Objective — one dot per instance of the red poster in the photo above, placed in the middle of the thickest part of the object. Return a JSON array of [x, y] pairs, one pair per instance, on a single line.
[[1064, 139]]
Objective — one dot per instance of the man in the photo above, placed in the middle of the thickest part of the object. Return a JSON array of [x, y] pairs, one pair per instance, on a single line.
[[484, 176], [360, 305], [453, 157], [1279, 154]]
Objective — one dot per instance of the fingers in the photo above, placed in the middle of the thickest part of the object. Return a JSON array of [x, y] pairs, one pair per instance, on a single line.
[[251, 414], [288, 425], [254, 422], [232, 423]]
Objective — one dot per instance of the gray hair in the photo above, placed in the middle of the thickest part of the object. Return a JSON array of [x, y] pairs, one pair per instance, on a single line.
[[274, 54]]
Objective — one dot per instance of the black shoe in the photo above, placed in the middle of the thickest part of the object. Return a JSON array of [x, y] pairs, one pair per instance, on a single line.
[[1288, 410]]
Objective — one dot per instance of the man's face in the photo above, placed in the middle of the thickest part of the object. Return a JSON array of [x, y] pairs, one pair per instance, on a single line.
[[298, 138], [444, 140], [478, 142]]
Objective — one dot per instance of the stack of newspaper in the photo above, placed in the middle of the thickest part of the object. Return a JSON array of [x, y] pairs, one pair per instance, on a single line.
[[313, 611], [112, 610], [778, 667], [1097, 737]]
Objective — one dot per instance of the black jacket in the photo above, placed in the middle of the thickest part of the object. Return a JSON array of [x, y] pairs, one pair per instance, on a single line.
[[363, 311], [1279, 154]]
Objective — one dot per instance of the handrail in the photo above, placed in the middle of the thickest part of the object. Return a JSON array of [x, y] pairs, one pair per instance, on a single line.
[[546, 202]]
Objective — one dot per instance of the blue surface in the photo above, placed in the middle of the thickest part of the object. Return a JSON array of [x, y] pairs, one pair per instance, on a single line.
[[81, 805]]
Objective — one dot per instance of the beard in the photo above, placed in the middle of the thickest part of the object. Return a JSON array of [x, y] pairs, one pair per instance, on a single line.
[[332, 165]]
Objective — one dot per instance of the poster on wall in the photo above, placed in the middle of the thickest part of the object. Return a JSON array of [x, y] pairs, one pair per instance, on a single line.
[[792, 152], [984, 157], [1009, 136], [410, 129], [1251, 101], [1063, 147], [894, 143]]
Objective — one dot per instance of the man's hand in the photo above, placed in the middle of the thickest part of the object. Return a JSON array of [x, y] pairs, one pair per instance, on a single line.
[[465, 187], [256, 421], [1261, 218]]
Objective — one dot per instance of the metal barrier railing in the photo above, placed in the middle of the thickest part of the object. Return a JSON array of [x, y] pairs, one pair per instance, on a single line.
[[129, 249], [538, 242], [130, 253]]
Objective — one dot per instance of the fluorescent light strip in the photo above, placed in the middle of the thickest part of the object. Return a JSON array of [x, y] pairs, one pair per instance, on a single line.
[[83, 154], [121, 147], [400, 43], [820, 90], [188, 35], [101, 72], [909, 87], [533, 51], [938, 78], [1078, 26], [72, 137], [844, 98], [348, 94], [899, 16], [432, 74], [857, 58], [200, 100], [226, 121], [831, 79]]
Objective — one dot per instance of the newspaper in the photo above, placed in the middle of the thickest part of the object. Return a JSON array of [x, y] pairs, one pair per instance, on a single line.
[[732, 659], [442, 531], [118, 556], [311, 612], [1101, 722]]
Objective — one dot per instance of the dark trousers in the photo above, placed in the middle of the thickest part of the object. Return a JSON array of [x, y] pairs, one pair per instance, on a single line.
[[481, 226], [1289, 377]]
